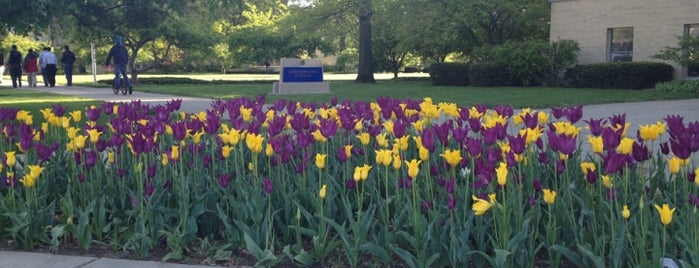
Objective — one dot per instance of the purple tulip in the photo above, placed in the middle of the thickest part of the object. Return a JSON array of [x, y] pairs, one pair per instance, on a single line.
[[8, 114], [517, 143], [537, 185], [442, 132], [473, 146], [81, 177], [268, 185], [428, 139], [341, 154], [591, 176], [58, 110], [151, 170], [90, 159], [613, 162], [451, 202], [92, 114], [664, 148], [426, 205], [460, 134], [557, 112], [399, 128], [223, 180], [574, 113], [531, 120], [474, 124], [640, 152], [694, 200], [680, 146], [611, 138], [450, 185], [504, 110], [675, 125], [351, 184], [543, 158], [596, 126], [560, 166], [691, 176]]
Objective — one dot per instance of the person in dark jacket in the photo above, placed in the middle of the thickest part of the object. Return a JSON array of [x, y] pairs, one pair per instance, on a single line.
[[68, 59], [15, 62], [121, 59], [2, 67]]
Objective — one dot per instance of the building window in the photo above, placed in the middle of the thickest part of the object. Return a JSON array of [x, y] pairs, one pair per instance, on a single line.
[[620, 44], [692, 30]]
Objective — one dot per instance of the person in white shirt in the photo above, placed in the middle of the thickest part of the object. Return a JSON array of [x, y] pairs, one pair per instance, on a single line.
[[48, 62]]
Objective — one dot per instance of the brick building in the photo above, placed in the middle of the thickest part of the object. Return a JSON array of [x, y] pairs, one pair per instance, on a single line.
[[625, 30]]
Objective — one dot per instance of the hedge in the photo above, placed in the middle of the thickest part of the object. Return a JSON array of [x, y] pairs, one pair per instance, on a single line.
[[629, 75], [490, 75], [452, 74]]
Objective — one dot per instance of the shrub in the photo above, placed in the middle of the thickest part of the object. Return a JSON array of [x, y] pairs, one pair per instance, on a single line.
[[490, 75], [679, 86], [453, 74], [630, 75]]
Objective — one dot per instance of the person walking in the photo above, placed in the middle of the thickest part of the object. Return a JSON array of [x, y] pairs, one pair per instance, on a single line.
[[48, 62], [68, 59], [15, 62], [31, 67], [121, 58]]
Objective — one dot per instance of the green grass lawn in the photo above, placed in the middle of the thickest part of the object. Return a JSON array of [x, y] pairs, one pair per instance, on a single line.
[[34, 101], [418, 87], [535, 97]]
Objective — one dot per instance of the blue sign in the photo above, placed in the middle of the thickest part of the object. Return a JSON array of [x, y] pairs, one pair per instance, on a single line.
[[302, 74]]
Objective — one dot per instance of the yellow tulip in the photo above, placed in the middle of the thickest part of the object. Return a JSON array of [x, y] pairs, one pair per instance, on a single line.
[[254, 142], [364, 138], [388, 126], [403, 142], [501, 173], [384, 157], [348, 151], [357, 175], [234, 137], [696, 176], [549, 196], [28, 181], [381, 140], [175, 153], [396, 161], [196, 138], [319, 136], [665, 213], [413, 168], [674, 164], [77, 115], [110, 157], [164, 160], [587, 166], [246, 114], [419, 125], [359, 125], [625, 146], [80, 141], [72, 132], [320, 160], [651, 132], [10, 159], [607, 181], [424, 153], [269, 150], [597, 143], [481, 206], [453, 157], [542, 117], [364, 172], [322, 192], [473, 113], [94, 135], [35, 171], [625, 212], [226, 151], [45, 127]]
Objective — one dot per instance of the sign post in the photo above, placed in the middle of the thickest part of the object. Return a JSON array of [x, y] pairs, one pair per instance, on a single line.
[[298, 76]]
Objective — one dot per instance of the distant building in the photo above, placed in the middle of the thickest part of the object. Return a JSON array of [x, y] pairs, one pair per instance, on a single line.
[[625, 30]]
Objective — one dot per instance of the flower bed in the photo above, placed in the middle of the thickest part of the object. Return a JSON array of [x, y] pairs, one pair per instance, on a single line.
[[395, 180]]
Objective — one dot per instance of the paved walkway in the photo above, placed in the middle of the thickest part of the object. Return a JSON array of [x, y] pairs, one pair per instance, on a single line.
[[636, 113]]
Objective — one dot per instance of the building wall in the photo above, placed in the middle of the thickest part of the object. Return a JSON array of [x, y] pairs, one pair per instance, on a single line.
[[656, 24]]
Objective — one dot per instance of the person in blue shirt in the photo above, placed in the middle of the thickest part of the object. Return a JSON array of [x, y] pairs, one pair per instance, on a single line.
[[121, 59]]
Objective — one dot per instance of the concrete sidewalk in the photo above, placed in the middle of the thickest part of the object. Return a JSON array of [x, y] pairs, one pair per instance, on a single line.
[[9, 259]]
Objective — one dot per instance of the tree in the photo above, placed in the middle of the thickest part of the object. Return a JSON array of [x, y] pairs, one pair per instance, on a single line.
[[140, 22], [22, 16], [391, 40], [686, 53], [365, 70]]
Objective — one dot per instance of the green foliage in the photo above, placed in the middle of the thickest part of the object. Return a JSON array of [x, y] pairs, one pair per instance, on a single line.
[[628, 75], [347, 60], [490, 75], [23, 44], [691, 86], [686, 53], [453, 74], [532, 62]]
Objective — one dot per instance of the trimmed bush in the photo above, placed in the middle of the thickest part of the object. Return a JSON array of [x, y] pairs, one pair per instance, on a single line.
[[679, 86], [630, 75], [452, 74], [490, 75]]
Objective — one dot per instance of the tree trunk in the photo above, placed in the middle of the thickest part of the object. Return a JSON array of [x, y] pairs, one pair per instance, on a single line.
[[365, 70]]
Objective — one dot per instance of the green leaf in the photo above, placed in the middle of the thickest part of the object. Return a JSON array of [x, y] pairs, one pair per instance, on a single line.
[[570, 255], [251, 246], [376, 250], [597, 260], [501, 257], [405, 255]]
